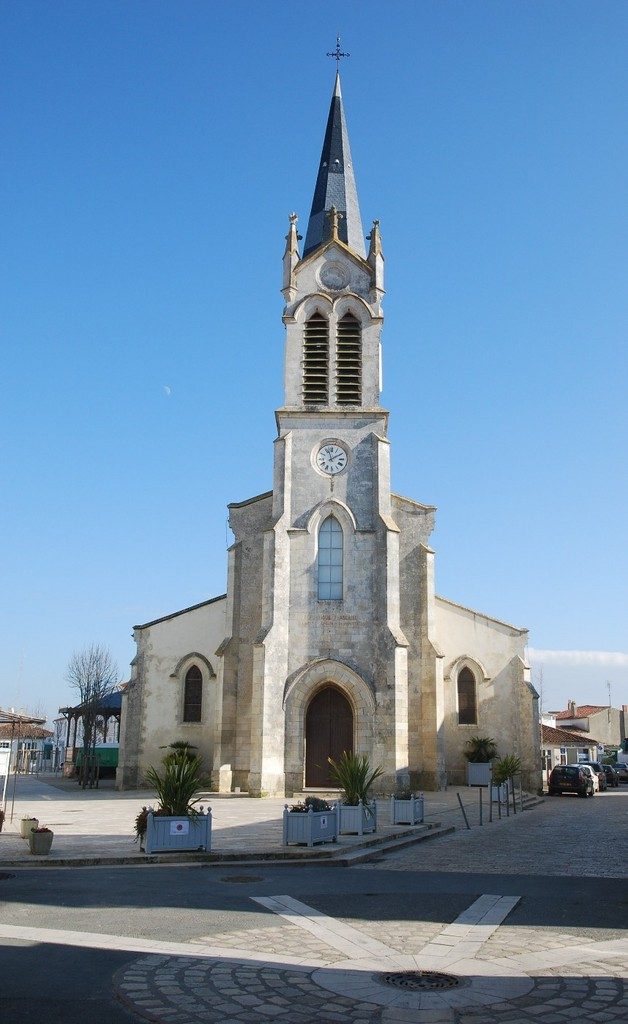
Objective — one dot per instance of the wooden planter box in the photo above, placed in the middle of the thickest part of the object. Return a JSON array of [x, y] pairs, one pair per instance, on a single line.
[[40, 843], [166, 834], [26, 824], [478, 773], [358, 820], [406, 812], [306, 829]]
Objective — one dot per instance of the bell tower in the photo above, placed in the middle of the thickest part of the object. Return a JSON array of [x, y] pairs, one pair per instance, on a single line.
[[330, 579]]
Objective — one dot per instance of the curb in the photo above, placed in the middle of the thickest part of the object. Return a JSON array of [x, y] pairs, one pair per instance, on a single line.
[[328, 857]]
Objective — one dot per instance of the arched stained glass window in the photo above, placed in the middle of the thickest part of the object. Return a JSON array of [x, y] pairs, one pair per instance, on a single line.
[[467, 704], [330, 560], [193, 695]]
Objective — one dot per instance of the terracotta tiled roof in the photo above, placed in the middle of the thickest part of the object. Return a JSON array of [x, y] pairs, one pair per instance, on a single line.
[[23, 732], [582, 711], [564, 738]]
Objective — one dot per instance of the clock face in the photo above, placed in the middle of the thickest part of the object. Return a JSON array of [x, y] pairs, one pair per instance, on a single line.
[[331, 459]]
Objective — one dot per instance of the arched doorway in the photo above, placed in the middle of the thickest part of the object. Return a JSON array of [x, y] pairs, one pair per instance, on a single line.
[[328, 731]]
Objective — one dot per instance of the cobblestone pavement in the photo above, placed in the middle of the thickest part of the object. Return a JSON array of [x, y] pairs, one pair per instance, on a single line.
[[563, 836], [493, 989]]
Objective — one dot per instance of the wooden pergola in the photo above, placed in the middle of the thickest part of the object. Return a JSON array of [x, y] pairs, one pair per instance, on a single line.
[[109, 709]]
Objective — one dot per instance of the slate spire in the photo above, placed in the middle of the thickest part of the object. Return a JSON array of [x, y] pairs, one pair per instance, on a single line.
[[335, 185]]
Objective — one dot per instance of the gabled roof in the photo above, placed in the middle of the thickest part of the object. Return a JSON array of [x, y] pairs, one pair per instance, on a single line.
[[182, 611], [583, 711], [335, 186], [564, 738]]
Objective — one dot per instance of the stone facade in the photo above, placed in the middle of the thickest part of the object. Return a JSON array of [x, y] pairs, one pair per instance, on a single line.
[[387, 647]]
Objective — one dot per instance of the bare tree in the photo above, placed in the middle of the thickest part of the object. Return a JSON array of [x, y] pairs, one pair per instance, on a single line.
[[94, 675]]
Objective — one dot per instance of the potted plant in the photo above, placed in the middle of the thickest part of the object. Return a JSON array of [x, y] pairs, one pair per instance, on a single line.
[[313, 821], [353, 774], [176, 824], [406, 808], [504, 770], [40, 841], [26, 824], [479, 752]]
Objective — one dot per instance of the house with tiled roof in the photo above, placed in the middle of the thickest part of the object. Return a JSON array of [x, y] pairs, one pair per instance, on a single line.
[[607, 724], [563, 746]]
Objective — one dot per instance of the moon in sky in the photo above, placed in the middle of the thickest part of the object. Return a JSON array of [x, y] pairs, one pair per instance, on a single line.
[[167, 390]]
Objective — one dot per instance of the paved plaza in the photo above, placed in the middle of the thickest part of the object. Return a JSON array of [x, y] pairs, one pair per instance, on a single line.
[[98, 823], [520, 921]]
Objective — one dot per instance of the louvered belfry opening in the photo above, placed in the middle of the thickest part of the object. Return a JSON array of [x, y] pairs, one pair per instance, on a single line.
[[349, 362], [316, 361]]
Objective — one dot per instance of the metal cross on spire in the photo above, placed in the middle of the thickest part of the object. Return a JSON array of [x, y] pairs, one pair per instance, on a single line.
[[337, 54]]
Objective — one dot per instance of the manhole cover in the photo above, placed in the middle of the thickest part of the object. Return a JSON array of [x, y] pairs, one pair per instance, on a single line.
[[242, 878], [425, 980], [4, 875]]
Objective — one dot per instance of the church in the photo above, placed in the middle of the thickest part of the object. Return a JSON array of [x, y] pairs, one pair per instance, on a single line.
[[330, 636]]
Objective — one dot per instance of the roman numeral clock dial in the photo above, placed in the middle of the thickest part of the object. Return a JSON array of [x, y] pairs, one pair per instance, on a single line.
[[331, 459]]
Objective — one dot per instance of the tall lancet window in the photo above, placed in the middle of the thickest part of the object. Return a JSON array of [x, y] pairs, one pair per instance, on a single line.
[[330, 560], [192, 695], [467, 705], [316, 361], [349, 361]]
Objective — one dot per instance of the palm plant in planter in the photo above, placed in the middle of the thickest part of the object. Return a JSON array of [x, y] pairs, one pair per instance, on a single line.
[[353, 773], [503, 771], [176, 824], [479, 752]]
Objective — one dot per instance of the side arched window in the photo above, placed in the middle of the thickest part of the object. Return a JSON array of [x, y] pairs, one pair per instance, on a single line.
[[316, 361], [349, 361], [467, 702], [193, 695], [330, 560]]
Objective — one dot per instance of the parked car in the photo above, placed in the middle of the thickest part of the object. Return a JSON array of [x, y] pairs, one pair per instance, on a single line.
[[622, 771], [612, 776], [589, 770], [599, 771], [571, 778]]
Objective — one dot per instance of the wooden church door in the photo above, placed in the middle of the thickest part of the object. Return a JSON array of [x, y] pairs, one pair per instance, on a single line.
[[328, 731]]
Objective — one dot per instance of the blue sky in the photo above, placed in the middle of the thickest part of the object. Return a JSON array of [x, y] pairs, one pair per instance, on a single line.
[[152, 153]]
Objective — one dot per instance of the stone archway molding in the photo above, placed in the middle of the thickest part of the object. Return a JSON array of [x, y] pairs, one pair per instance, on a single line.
[[191, 657], [466, 661], [298, 692], [332, 507], [305, 681]]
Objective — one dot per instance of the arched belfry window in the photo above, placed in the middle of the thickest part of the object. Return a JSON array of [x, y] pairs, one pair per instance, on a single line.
[[467, 701], [349, 361], [193, 695], [330, 560], [316, 361]]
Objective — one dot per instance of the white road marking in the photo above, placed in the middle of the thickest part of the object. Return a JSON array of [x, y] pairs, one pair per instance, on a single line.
[[132, 944], [343, 937]]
